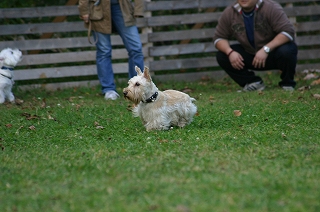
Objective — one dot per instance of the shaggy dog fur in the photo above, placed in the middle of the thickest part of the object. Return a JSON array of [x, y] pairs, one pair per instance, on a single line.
[[158, 110]]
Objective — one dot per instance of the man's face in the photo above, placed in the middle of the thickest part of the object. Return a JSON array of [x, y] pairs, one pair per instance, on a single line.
[[247, 5]]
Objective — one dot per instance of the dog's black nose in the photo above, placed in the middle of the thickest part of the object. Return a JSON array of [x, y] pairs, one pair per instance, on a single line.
[[125, 93]]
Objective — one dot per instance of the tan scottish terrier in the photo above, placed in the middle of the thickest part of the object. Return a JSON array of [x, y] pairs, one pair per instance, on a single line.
[[158, 110]]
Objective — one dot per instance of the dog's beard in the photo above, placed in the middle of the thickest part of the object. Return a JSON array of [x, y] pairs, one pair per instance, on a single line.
[[133, 97], [134, 100]]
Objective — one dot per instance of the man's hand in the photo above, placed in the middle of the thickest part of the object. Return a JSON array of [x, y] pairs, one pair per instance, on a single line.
[[85, 18], [236, 60], [259, 61]]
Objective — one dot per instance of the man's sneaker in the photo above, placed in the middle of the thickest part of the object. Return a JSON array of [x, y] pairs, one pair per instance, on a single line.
[[288, 88], [254, 86], [111, 95]]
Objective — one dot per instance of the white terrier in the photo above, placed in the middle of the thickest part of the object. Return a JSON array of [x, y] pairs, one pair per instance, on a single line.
[[9, 58], [158, 110]]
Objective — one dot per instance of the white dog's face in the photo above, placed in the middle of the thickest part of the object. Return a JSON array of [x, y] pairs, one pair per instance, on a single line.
[[10, 57]]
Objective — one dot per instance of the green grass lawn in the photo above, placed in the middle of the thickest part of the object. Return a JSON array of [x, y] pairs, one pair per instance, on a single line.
[[73, 151]]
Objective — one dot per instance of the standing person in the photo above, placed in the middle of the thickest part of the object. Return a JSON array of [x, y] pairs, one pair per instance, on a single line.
[[102, 16], [266, 41]]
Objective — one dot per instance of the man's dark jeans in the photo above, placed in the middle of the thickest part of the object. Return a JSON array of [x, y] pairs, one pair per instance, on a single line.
[[283, 58]]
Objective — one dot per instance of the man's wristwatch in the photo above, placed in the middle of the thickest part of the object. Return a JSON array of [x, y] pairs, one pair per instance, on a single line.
[[266, 49]]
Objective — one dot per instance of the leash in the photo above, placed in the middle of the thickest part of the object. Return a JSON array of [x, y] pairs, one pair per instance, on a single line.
[[89, 34], [89, 28]]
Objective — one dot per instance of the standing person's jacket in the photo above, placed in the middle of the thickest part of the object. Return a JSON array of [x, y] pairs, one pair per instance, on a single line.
[[100, 14], [269, 21]]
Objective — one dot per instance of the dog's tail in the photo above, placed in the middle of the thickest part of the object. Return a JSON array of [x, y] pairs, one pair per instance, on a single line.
[[193, 99]]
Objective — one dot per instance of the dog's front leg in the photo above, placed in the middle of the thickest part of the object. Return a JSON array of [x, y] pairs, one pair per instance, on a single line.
[[11, 97], [2, 97], [155, 125]]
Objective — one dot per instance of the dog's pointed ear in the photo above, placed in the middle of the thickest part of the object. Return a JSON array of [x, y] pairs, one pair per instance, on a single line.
[[146, 74], [138, 70]]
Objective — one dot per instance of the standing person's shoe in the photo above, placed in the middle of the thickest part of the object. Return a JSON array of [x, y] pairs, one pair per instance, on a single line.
[[254, 86], [111, 95]]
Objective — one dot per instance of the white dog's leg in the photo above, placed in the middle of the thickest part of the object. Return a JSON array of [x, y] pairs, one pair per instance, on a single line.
[[8, 93], [11, 97], [2, 99]]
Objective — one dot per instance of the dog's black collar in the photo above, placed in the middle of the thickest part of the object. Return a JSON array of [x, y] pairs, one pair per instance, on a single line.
[[6, 68], [152, 98]]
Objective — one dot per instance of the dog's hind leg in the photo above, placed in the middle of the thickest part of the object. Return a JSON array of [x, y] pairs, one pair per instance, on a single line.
[[182, 122], [187, 116]]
